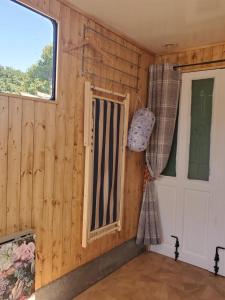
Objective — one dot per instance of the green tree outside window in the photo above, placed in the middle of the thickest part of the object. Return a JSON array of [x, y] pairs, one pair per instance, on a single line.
[[36, 81]]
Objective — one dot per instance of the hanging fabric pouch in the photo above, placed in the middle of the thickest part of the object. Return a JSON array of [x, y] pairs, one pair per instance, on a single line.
[[140, 129]]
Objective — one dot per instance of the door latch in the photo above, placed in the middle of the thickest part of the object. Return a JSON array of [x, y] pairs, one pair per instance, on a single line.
[[177, 245], [216, 259]]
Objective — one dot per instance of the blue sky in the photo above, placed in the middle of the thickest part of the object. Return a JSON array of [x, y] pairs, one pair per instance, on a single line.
[[23, 35]]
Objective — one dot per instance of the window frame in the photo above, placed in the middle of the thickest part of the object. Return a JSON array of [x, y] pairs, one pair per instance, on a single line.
[[55, 53]]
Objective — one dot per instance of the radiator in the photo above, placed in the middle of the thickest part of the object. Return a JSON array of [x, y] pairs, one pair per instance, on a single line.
[[17, 266]]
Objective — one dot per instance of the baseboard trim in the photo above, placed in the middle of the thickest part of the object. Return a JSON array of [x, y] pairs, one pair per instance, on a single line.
[[163, 249], [70, 285]]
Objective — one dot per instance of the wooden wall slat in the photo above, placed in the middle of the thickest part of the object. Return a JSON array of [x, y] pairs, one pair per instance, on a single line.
[[78, 151], [49, 183], [27, 156], [60, 149], [78, 175], [14, 163], [4, 114], [73, 36], [38, 182]]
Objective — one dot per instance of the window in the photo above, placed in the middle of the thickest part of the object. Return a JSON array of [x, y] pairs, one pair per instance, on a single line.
[[201, 115], [27, 52]]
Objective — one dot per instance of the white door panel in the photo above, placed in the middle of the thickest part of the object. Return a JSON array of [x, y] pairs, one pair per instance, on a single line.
[[167, 207], [194, 210], [195, 217]]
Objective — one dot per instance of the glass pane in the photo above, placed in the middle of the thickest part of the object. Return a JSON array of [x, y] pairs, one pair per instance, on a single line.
[[170, 169], [27, 59], [201, 115]]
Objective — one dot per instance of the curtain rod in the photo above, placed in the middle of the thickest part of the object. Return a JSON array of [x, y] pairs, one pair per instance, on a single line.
[[200, 63]]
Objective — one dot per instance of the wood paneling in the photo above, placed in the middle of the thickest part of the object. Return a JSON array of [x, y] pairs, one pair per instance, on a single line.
[[196, 55], [42, 153]]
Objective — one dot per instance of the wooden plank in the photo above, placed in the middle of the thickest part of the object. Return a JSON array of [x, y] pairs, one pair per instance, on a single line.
[[88, 164], [70, 35], [105, 230], [78, 154], [87, 114], [38, 184], [58, 203], [58, 195], [27, 164], [78, 176], [4, 113], [49, 182], [28, 98], [14, 163], [123, 158]]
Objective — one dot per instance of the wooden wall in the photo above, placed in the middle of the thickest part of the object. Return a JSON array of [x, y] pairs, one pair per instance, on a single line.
[[196, 55], [42, 153]]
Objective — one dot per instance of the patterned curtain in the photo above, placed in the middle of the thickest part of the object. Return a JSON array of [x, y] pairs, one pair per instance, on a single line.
[[164, 89]]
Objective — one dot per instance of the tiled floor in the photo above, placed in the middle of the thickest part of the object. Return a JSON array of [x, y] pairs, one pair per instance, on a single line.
[[155, 277]]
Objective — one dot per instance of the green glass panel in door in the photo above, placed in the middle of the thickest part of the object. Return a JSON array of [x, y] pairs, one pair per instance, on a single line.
[[201, 115], [170, 169]]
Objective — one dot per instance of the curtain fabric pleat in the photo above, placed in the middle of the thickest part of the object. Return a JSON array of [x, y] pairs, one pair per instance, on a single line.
[[164, 90], [108, 135]]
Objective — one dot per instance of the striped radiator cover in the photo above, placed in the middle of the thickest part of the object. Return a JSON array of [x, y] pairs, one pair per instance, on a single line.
[[108, 139]]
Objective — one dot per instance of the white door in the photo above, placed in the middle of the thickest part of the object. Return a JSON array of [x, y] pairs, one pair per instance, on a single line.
[[192, 206]]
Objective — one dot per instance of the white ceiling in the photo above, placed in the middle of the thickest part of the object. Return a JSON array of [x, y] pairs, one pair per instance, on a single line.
[[153, 23]]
